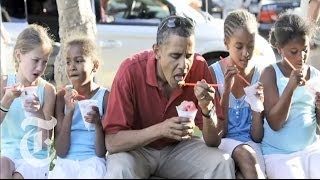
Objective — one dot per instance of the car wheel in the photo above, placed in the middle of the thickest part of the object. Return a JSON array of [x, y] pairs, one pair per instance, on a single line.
[[214, 57]]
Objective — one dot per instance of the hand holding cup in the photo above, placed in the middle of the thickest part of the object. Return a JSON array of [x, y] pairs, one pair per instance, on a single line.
[[187, 112], [93, 116], [255, 96], [90, 112], [30, 100]]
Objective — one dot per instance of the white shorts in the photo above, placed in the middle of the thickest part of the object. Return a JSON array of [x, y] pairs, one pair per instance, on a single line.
[[30, 172], [93, 168], [298, 165], [228, 145]]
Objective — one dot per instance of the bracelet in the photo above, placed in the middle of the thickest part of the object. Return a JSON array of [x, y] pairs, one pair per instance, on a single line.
[[211, 111], [3, 109], [206, 115]]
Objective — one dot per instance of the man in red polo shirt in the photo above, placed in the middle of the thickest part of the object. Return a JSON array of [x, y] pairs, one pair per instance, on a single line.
[[144, 135]]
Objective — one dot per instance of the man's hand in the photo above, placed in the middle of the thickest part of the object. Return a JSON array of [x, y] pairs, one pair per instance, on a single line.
[[205, 94], [178, 128]]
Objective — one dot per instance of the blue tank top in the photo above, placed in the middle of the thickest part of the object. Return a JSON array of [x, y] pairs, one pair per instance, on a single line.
[[82, 141], [12, 133], [239, 112], [300, 129]]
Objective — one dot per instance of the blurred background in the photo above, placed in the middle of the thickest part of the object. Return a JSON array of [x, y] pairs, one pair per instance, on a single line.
[[125, 27], [266, 11]]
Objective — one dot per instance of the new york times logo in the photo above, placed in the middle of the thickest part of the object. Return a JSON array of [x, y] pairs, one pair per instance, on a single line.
[[34, 140]]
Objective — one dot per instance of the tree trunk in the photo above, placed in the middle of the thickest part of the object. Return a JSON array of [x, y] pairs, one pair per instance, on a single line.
[[75, 18]]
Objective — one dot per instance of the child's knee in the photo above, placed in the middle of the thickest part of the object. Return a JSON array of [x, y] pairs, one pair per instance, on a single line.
[[17, 175], [7, 167], [244, 152]]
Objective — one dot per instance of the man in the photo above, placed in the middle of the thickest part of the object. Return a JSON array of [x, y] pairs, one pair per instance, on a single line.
[[311, 9], [144, 136]]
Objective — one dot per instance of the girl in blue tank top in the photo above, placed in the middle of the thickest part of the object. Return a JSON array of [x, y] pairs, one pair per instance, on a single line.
[[24, 154], [79, 136], [290, 145], [241, 122]]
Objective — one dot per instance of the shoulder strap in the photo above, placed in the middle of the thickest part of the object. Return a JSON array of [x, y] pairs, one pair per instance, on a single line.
[[314, 72], [105, 98]]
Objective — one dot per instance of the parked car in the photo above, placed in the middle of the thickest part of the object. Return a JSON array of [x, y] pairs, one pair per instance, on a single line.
[[131, 26], [269, 11], [213, 8], [254, 7]]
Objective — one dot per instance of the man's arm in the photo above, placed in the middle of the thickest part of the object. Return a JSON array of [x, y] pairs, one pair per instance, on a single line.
[[119, 135], [212, 115], [126, 140], [212, 126], [120, 116]]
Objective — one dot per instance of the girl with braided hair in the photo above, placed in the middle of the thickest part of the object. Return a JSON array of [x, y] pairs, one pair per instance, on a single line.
[[243, 126]]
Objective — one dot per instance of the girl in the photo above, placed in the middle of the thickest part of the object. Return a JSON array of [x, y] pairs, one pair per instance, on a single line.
[[81, 152], [290, 146], [31, 53], [242, 125]]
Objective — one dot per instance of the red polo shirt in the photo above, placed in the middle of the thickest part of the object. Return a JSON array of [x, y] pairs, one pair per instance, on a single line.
[[136, 102]]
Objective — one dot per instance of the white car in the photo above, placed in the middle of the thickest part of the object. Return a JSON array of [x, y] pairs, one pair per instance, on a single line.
[[131, 27]]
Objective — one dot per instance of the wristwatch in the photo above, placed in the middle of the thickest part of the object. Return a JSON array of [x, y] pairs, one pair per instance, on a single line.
[[211, 112]]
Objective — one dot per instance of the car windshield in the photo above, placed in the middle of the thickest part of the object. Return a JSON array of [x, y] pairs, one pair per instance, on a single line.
[[13, 11], [134, 11]]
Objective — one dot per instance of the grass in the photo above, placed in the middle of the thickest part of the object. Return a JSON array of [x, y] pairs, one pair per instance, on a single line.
[[197, 131]]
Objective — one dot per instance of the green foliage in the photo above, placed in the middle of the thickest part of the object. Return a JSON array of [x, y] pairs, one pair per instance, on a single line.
[[197, 132], [52, 150]]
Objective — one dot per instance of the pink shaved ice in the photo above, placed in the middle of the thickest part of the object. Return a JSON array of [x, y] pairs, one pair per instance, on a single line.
[[188, 106]]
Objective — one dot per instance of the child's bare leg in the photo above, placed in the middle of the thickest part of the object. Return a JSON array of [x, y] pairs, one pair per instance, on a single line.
[[245, 158], [239, 175], [17, 175], [6, 167]]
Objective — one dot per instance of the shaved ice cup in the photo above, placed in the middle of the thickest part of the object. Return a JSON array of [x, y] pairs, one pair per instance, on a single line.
[[255, 103], [28, 94], [313, 85], [187, 114], [85, 107]]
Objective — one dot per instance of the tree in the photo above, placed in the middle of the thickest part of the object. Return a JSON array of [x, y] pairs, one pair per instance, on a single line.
[[75, 17]]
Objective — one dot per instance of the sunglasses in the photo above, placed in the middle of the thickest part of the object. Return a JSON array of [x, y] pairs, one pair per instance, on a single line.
[[177, 21]]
